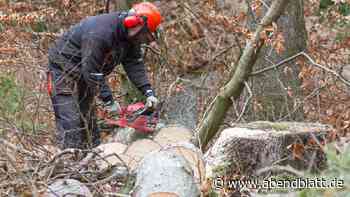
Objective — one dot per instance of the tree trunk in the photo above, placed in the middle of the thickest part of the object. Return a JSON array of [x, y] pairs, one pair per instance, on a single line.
[[177, 170], [278, 90], [215, 113], [183, 104]]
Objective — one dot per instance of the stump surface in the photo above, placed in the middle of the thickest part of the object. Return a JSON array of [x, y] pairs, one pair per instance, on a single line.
[[258, 145]]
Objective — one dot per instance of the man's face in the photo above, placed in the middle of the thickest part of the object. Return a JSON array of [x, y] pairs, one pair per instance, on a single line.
[[144, 36]]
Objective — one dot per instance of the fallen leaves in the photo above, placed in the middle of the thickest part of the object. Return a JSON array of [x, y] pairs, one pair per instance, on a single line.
[[8, 50]]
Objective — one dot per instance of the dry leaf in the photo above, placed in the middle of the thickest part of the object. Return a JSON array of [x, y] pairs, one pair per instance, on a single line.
[[297, 150]]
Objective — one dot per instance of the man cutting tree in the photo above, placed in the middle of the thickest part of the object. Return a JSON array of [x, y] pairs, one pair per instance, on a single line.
[[81, 59]]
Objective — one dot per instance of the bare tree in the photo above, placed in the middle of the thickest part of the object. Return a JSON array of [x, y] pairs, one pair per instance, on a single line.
[[216, 112], [278, 91]]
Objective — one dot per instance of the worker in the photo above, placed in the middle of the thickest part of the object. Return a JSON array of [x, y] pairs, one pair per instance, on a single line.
[[81, 59]]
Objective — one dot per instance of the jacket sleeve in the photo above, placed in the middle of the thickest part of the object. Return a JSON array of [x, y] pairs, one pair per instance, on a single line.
[[135, 69], [93, 51]]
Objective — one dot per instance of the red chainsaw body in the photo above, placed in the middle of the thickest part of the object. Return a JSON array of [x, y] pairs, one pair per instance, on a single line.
[[128, 117]]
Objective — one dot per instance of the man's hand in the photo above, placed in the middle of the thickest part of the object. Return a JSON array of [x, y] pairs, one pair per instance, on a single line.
[[112, 107], [152, 102]]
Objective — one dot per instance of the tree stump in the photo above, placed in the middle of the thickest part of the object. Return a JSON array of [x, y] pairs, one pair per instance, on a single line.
[[259, 145]]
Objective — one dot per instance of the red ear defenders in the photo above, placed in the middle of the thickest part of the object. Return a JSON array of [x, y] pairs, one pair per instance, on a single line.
[[132, 21]]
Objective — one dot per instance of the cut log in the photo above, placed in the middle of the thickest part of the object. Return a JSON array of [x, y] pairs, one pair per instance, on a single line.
[[111, 154], [163, 194], [123, 135], [176, 170], [173, 135], [67, 187], [259, 145], [138, 149]]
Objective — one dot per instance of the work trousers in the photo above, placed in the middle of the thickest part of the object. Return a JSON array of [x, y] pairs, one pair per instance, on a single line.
[[73, 102]]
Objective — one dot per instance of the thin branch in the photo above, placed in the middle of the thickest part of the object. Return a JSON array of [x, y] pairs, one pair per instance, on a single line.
[[15, 148], [245, 104], [339, 76], [224, 51], [276, 65]]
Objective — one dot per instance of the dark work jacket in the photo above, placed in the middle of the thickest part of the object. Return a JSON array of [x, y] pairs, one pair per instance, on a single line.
[[97, 45]]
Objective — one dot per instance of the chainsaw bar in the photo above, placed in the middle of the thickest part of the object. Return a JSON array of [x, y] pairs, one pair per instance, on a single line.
[[137, 116]]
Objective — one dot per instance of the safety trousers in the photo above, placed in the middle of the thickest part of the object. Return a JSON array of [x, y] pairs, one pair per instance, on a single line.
[[73, 102]]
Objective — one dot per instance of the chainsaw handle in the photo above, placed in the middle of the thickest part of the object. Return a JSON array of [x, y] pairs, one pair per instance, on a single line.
[[138, 113], [148, 111]]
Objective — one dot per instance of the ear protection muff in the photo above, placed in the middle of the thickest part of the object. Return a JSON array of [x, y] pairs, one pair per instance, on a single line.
[[133, 21]]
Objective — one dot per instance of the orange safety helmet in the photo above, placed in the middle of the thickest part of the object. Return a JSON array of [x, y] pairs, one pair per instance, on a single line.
[[149, 10]]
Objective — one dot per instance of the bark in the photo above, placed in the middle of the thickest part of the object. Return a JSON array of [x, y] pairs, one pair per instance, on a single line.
[[182, 107], [177, 170], [271, 88], [126, 146], [248, 148], [215, 113]]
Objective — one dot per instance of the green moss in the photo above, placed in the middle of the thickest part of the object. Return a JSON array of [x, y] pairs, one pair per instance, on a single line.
[[221, 169], [343, 35], [40, 27], [280, 126], [128, 185], [324, 4], [10, 94], [13, 106], [265, 125], [344, 9], [2, 28]]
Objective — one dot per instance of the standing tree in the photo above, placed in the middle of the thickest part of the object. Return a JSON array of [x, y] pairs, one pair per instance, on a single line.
[[278, 90], [216, 112]]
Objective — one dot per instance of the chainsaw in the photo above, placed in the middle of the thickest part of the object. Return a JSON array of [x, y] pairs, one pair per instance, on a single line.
[[137, 116]]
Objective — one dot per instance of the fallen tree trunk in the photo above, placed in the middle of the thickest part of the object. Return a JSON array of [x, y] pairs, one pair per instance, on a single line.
[[176, 170], [216, 112]]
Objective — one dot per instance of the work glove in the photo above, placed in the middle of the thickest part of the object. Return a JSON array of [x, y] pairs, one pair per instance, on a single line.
[[152, 102], [112, 107]]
